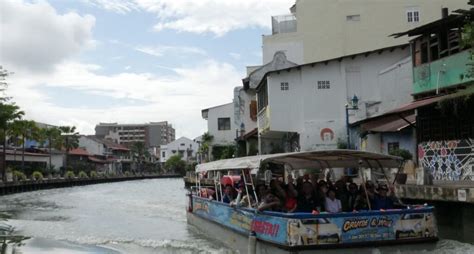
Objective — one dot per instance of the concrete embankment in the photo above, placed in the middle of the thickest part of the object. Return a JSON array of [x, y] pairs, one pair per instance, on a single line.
[[24, 186], [454, 206]]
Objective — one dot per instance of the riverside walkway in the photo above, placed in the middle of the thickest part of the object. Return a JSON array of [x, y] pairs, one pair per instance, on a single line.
[[31, 185], [438, 191]]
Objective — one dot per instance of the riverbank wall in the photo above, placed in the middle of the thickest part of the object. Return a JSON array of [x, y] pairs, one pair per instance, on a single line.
[[30, 185]]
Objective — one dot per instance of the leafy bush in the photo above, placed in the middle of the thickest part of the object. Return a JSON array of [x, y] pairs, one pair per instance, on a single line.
[[93, 174], [127, 173], [37, 176], [83, 174], [405, 154], [341, 144], [69, 174], [20, 176], [176, 165]]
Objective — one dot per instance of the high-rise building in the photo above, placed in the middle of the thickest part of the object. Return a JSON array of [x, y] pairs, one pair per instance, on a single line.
[[152, 134]]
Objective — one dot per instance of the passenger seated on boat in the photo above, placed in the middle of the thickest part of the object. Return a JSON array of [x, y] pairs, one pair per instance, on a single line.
[[207, 193], [228, 194], [382, 200], [314, 181], [361, 200], [290, 196], [243, 197], [307, 202], [343, 195], [277, 189], [270, 202], [352, 197], [333, 205], [261, 191], [320, 194]]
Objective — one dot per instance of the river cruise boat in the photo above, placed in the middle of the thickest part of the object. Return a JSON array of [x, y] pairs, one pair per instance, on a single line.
[[249, 230]]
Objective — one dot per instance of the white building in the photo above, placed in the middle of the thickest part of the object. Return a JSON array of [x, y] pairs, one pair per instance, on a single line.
[[318, 30], [221, 124], [183, 146], [303, 107], [245, 101]]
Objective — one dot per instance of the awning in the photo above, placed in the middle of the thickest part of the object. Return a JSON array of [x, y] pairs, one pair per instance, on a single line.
[[308, 160], [392, 123], [97, 160], [418, 104]]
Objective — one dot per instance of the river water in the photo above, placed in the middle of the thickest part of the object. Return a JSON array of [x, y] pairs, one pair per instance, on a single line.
[[145, 216]]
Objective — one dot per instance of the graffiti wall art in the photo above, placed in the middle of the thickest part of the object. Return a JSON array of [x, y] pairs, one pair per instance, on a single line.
[[451, 160]]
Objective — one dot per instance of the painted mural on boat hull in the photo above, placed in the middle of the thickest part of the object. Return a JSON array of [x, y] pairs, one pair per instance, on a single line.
[[324, 229]]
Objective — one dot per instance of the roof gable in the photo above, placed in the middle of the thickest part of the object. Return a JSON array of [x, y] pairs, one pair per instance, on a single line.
[[279, 62]]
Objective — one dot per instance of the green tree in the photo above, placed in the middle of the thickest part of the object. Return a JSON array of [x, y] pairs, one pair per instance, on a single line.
[[176, 165], [206, 140], [139, 153], [52, 137], [8, 113], [69, 140], [26, 130]]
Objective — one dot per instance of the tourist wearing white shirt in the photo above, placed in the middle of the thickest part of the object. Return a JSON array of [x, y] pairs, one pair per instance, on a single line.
[[333, 205]]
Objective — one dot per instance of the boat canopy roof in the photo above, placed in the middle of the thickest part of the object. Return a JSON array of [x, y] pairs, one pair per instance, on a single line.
[[308, 160]]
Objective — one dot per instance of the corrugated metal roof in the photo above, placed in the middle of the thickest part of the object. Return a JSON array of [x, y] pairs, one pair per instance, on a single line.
[[391, 123]]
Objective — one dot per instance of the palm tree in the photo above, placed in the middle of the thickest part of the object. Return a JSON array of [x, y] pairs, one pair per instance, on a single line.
[[53, 136], [27, 130], [206, 140], [8, 113], [69, 140]]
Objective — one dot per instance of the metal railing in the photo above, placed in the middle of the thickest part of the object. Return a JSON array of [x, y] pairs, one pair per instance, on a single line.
[[284, 24]]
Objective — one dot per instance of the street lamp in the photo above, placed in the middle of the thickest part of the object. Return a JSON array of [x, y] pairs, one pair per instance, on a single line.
[[353, 106]]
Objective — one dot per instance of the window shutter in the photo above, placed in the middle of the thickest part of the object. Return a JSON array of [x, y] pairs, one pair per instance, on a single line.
[[253, 110]]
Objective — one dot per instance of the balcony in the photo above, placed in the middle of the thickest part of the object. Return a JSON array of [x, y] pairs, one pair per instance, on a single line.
[[263, 120], [443, 73], [284, 24]]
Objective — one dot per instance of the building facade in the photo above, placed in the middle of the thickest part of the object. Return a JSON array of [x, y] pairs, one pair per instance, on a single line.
[[318, 30], [112, 157], [303, 107], [245, 103], [443, 91], [184, 147], [151, 134], [221, 126]]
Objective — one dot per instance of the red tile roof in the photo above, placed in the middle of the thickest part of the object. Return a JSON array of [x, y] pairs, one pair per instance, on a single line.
[[79, 152]]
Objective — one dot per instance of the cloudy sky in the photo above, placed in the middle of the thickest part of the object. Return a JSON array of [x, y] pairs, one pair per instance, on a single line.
[[81, 62]]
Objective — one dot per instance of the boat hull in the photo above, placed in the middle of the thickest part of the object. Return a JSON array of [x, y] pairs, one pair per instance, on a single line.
[[303, 233]]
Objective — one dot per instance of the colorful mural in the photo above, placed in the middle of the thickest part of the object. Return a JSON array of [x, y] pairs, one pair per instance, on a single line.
[[301, 229], [448, 160]]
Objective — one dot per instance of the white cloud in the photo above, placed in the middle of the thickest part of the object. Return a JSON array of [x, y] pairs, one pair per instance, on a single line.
[[203, 16], [118, 6], [161, 50], [35, 37], [177, 98], [128, 67], [236, 56]]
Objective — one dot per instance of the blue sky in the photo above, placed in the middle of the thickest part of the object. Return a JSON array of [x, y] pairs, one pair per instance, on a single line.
[[89, 61]]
